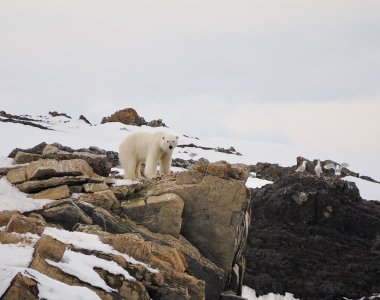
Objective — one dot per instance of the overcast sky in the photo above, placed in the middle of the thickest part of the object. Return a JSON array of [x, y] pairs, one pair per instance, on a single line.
[[303, 72]]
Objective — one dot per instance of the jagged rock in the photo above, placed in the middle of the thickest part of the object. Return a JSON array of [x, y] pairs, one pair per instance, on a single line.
[[22, 224], [24, 157], [122, 192], [272, 172], [214, 207], [21, 287], [16, 175], [105, 199], [47, 168], [57, 114], [94, 187], [313, 237], [35, 150], [56, 193], [157, 213], [34, 186], [65, 213], [6, 215], [83, 118]]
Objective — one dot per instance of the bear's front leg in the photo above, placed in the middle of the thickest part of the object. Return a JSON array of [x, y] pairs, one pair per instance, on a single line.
[[151, 167], [165, 163], [130, 169]]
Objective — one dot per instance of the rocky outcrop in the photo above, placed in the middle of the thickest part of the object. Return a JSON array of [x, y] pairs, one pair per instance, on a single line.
[[313, 237], [129, 116], [215, 205], [165, 223], [98, 160], [157, 213]]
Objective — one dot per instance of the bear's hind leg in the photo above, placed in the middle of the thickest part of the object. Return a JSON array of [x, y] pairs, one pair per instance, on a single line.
[[138, 170]]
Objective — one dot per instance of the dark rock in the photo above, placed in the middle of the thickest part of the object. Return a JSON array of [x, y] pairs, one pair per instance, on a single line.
[[271, 172], [21, 120], [313, 237], [83, 118], [35, 150], [65, 213], [326, 172], [57, 114]]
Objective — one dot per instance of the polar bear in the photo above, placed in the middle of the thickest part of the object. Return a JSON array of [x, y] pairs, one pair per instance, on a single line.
[[151, 148]]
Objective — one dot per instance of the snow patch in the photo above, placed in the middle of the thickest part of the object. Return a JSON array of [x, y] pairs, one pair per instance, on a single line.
[[48, 288], [368, 190], [13, 199], [16, 255], [81, 240], [250, 294], [82, 266], [256, 182]]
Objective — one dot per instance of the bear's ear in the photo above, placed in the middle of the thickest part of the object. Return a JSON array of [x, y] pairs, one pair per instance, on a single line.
[[176, 137], [163, 138]]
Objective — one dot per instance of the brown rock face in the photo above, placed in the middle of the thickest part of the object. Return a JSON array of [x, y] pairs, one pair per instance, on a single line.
[[16, 175], [56, 193], [126, 116], [22, 224], [160, 214], [105, 199], [6, 215], [21, 287], [47, 168]]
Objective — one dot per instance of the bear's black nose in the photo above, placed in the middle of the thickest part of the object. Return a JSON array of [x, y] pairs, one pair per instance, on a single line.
[[170, 147]]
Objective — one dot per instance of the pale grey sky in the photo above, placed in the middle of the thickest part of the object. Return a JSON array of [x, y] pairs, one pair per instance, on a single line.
[[297, 71]]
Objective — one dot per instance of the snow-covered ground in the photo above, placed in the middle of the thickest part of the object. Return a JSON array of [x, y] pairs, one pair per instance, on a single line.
[[78, 134]]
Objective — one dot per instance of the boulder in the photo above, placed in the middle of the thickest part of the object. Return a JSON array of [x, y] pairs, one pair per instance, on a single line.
[[105, 199], [157, 213], [313, 237], [34, 150], [56, 193], [34, 186], [47, 168], [127, 116], [24, 157], [65, 213], [16, 175], [6, 215], [22, 224], [94, 187], [22, 287]]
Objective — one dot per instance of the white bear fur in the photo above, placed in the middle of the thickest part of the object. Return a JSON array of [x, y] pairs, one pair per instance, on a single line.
[[151, 148]]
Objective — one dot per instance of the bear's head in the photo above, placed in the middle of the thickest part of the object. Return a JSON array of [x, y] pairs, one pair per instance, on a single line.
[[169, 142]]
